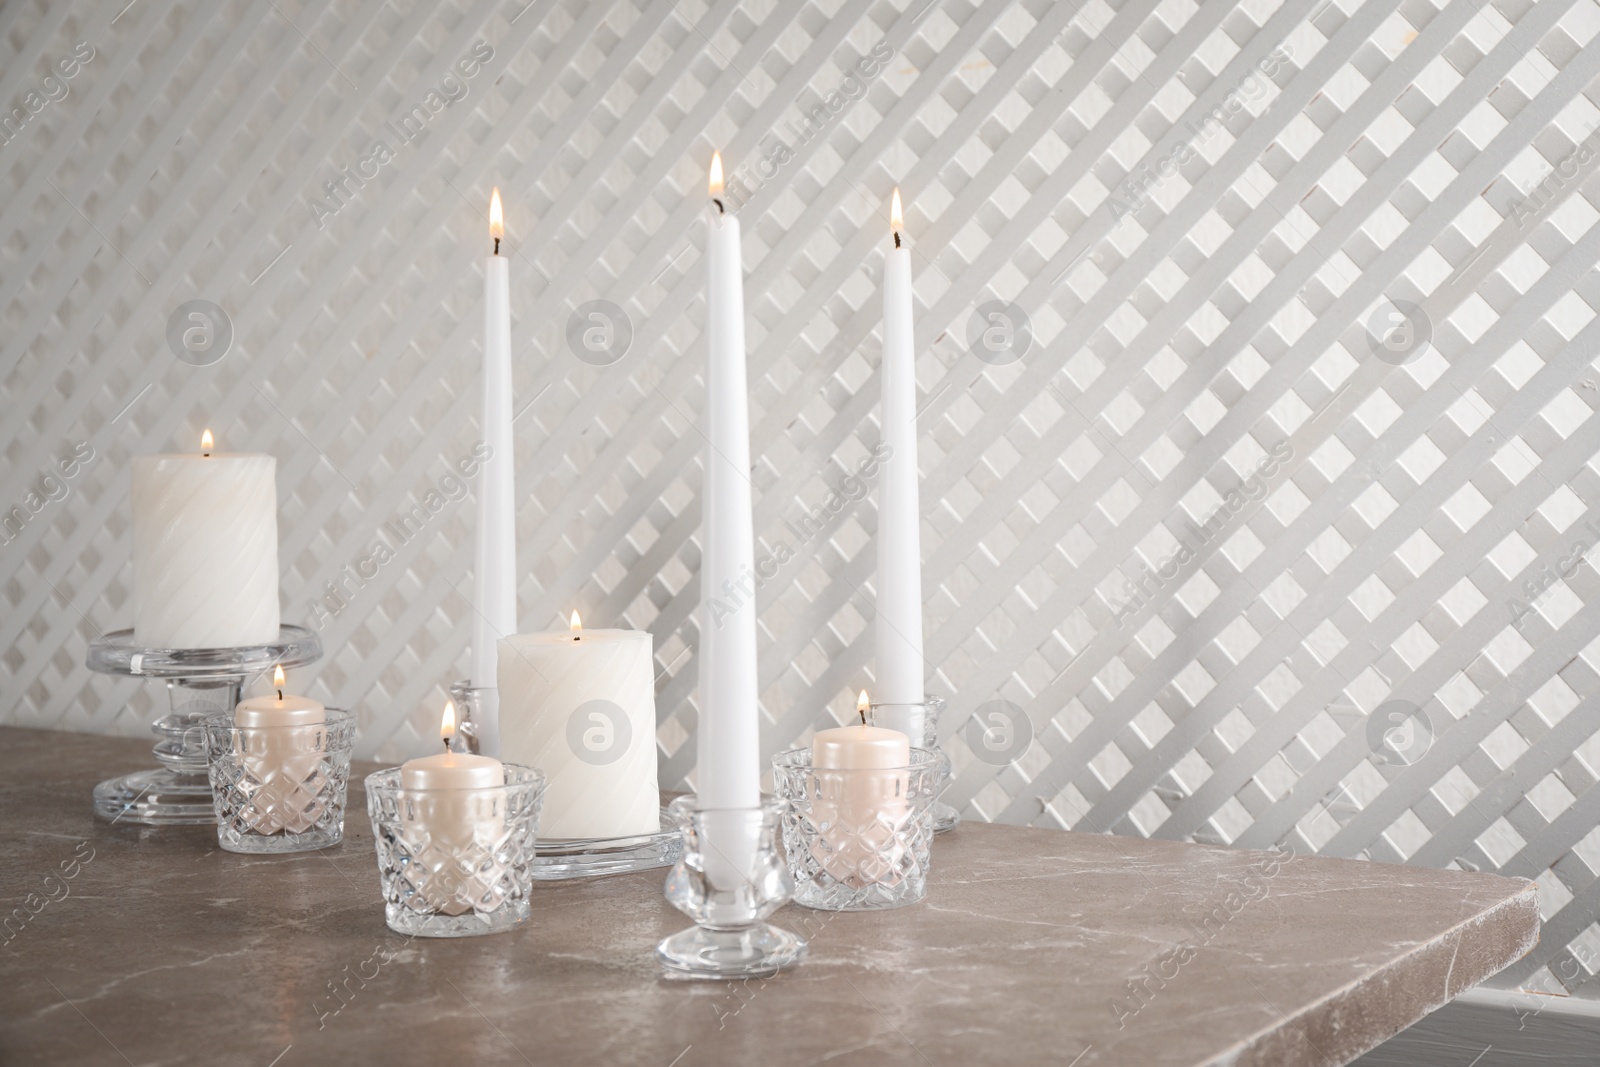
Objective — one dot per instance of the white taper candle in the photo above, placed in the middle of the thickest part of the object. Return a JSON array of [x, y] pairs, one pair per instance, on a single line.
[[899, 601], [494, 573], [729, 773]]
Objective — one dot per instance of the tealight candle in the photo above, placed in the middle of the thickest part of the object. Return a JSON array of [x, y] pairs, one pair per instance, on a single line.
[[278, 745], [449, 817], [279, 710], [856, 811]]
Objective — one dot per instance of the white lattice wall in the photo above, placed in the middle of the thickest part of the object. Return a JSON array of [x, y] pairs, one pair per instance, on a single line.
[[1379, 534]]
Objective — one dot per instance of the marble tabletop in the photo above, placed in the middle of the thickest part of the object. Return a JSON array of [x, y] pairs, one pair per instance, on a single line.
[[150, 946]]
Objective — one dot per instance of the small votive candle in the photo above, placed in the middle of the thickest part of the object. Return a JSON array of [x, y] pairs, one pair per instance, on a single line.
[[449, 822], [277, 740], [858, 812]]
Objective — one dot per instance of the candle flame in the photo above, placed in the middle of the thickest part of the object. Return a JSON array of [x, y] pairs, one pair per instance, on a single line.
[[716, 174], [577, 623], [863, 705], [277, 677], [447, 724], [497, 217], [206, 443], [896, 218]]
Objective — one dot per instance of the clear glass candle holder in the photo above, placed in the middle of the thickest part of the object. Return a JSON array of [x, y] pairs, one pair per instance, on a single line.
[[729, 879], [279, 788], [476, 707], [455, 862], [857, 839], [926, 716]]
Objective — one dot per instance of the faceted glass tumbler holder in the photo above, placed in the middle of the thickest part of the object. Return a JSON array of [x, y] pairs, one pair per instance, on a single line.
[[456, 862], [857, 839], [945, 817], [279, 788], [200, 682], [729, 879]]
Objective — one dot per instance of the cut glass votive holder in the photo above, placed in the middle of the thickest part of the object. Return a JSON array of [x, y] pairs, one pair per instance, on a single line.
[[729, 879], [859, 838], [923, 720], [455, 862], [279, 788]]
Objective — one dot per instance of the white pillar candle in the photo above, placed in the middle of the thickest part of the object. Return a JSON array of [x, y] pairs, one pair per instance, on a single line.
[[447, 819], [858, 812], [205, 549], [494, 571], [898, 630], [581, 707], [278, 740], [729, 750]]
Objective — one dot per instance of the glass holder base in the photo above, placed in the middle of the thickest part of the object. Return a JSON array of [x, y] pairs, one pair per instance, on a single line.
[[560, 860], [757, 952], [159, 797], [200, 682]]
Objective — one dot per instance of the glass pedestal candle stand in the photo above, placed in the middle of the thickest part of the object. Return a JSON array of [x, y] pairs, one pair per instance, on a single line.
[[280, 788], [455, 862], [565, 859], [857, 838], [729, 879], [200, 682], [930, 711]]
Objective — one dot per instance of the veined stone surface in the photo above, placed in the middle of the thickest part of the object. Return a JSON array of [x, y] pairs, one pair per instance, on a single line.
[[1033, 946]]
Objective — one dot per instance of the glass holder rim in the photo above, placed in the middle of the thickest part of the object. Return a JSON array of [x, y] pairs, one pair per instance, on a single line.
[[922, 759], [225, 720], [117, 653]]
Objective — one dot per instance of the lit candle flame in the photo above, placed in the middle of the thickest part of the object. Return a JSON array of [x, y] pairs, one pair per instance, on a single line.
[[277, 680], [896, 218], [447, 724], [206, 443], [577, 623], [716, 174], [497, 217], [863, 705]]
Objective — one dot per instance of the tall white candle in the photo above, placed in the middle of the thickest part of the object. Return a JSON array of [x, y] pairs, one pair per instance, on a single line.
[[205, 549], [494, 572], [899, 619], [729, 772], [581, 706]]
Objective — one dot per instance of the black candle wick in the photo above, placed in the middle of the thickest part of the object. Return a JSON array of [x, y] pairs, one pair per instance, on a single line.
[[720, 209], [497, 246]]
